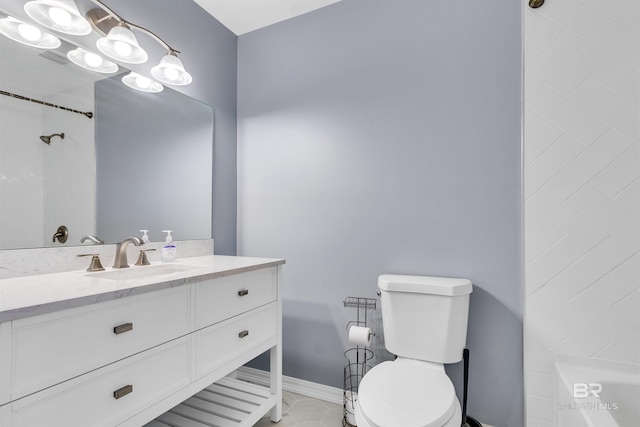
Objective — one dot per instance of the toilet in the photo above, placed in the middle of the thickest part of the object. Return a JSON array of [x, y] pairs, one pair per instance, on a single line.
[[425, 326]]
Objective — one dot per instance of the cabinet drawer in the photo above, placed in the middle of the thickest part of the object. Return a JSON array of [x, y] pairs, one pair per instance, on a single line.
[[223, 342], [51, 348], [90, 400], [225, 297]]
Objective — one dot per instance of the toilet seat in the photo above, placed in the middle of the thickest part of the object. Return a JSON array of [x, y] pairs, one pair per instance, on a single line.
[[407, 393]]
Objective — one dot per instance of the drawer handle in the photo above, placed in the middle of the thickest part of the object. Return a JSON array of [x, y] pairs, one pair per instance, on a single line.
[[125, 327], [121, 392], [243, 292], [243, 334]]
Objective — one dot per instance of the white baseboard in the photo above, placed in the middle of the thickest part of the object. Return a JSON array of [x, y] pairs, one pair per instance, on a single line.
[[294, 385]]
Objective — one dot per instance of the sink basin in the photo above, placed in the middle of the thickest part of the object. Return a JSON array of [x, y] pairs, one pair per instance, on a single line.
[[140, 272]]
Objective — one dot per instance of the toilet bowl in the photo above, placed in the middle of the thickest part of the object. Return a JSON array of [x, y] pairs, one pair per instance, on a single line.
[[407, 393], [425, 326]]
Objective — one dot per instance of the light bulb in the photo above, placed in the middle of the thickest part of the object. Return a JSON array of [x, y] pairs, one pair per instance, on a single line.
[[143, 82], [122, 48], [60, 16], [171, 73], [29, 32], [92, 59]]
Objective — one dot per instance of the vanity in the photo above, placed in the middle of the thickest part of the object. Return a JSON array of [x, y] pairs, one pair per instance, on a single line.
[[149, 345]]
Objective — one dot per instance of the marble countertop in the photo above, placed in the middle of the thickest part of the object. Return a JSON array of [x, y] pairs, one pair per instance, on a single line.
[[33, 295]]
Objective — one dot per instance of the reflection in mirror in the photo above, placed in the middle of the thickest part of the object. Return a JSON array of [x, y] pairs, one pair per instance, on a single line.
[[154, 162], [44, 186]]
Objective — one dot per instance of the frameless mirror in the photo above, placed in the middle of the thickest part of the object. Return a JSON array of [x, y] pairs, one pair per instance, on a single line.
[[141, 161], [154, 172]]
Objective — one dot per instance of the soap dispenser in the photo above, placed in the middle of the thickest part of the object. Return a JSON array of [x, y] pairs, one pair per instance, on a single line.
[[145, 236], [169, 249]]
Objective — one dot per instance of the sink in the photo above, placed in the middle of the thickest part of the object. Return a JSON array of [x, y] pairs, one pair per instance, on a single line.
[[140, 272]]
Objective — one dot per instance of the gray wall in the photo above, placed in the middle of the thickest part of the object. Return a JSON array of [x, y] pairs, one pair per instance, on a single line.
[[209, 52], [384, 136], [153, 163]]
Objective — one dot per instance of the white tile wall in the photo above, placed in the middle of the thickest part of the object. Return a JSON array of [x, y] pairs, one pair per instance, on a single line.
[[21, 181], [45, 186], [582, 189]]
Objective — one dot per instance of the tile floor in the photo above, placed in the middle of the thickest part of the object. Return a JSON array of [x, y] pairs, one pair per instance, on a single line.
[[303, 411]]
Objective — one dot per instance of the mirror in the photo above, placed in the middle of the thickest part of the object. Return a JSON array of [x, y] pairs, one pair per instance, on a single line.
[[155, 172], [143, 161]]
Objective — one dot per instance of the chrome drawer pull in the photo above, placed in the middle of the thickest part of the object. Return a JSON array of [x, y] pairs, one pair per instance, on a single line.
[[125, 327], [243, 292], [243, 334], [121, 392]]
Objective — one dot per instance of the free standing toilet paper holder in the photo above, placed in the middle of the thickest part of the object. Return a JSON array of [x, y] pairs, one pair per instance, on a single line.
[[358, 358]]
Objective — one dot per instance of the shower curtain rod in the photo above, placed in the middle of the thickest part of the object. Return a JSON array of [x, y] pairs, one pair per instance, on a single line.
[[48, 104]]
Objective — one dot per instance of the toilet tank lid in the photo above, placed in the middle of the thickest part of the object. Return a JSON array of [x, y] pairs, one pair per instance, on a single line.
[[448, 286]]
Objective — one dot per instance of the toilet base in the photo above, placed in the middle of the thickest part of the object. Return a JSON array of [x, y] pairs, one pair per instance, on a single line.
[[454, 421]]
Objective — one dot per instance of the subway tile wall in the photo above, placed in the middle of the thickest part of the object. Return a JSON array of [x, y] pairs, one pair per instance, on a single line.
[[582, 190], [44, 186]]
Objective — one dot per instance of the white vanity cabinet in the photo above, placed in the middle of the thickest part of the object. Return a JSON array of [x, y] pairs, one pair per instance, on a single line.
[[154, 358], [54, 347]]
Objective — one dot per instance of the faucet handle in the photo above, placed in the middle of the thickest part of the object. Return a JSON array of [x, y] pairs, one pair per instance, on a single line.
[[95, 265], [142, 258]]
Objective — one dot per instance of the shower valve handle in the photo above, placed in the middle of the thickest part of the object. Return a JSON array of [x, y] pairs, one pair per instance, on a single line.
[[61, 234]]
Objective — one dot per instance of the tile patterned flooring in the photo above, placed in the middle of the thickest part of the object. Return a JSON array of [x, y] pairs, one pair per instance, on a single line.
[[303, 411]]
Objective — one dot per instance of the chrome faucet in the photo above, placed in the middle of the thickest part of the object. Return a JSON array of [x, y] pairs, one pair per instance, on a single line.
[[121, 251]]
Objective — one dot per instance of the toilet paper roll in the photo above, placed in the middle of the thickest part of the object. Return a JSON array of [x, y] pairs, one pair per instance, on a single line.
[[360, 335]]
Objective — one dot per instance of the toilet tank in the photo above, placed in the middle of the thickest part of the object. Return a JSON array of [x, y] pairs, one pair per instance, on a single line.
[[425, 318]]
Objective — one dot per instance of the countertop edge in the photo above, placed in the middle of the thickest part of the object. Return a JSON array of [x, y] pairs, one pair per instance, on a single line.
[[158, 284]]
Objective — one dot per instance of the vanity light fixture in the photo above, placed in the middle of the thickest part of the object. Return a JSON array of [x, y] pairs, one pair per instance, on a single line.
[[28, 34], [171, 71], [120, 43], [59, 15], [90, 61], [141, 83]]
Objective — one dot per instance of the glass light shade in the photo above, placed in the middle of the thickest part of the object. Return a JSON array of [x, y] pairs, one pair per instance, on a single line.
[[28, 34], [121, 45], [141, 83], [171, 71], [91, 61], [59, 15]]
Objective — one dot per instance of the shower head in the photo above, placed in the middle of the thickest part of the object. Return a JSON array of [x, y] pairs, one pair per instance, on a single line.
[[47, 138]]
